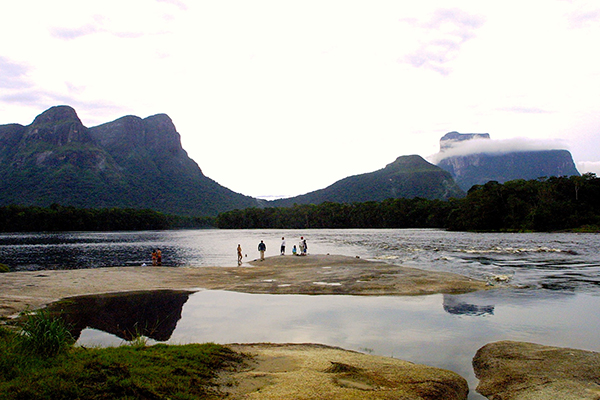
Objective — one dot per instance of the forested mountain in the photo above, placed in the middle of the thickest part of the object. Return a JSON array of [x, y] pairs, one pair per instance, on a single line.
[[130, 162], [407, 177], [552, 204], [478, 167]]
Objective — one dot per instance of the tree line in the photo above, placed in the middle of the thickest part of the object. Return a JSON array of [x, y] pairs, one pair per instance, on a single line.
[[68, 218], [545, 204]]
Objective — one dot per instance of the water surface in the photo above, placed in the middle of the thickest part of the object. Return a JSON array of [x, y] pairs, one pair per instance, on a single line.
[[556, 302]]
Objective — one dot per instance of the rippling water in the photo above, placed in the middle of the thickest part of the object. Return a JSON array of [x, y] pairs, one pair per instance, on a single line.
[[555, 302], [557, 261]]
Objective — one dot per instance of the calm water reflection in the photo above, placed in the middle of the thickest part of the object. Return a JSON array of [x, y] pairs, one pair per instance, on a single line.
[[439, 330], [557, 303]]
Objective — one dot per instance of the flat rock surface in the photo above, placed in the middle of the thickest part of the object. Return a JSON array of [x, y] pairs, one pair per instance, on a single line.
[[510, 370], [312, 274], [305, 371]]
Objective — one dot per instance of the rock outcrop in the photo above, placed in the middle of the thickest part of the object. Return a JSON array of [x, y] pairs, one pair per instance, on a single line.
[[517, 370], [477, 167], [311, 371]]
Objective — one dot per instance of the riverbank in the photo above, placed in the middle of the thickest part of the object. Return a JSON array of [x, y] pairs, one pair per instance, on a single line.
[[313, 274]]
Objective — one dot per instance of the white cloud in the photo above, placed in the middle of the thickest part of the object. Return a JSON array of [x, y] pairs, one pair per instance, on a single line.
[[13, 75], [582, 18], [588, 166], [306, 93], [441, 38], [491, 146]]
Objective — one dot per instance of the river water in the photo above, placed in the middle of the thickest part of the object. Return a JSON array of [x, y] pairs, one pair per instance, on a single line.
[[554, 298]]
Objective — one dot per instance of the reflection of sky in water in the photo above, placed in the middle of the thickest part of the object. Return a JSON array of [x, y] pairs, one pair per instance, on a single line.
[[443, 331], [416, 329]]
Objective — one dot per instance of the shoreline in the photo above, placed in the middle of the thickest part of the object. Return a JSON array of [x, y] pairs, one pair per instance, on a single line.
[[312, 275]]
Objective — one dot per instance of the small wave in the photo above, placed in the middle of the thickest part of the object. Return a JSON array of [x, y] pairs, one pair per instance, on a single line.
[[386, 257], [516, 250]]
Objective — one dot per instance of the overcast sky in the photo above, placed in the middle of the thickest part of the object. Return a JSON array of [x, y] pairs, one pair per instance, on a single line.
[[285, 97]]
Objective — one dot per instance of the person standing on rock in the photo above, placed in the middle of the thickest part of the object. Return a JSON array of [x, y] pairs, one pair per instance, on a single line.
[[158, 257], [282, 246], [239, 251], [262, 247]]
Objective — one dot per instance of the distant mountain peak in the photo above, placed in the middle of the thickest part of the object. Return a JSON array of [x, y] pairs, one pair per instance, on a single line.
[[407, 177], [487, 161], [129, 162], [410, 163], [57, 114], [450, 138], [59, 126]]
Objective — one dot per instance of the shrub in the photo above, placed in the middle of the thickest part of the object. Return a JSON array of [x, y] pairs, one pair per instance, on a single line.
[[4, 268], [44, 334]]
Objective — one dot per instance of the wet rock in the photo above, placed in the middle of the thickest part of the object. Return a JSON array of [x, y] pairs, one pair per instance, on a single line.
[[510, 370]]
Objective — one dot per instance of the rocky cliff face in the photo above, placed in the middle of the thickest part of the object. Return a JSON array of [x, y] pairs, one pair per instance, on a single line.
[[406, 177], [478, 168], [130, 162], [451, 138]]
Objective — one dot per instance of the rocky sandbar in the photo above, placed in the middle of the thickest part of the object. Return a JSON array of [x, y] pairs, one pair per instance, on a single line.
[[313, 274]]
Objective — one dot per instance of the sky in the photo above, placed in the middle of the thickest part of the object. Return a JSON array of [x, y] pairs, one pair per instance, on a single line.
[[280, 98]]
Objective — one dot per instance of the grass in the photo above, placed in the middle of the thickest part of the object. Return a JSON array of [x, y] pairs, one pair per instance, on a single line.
[[44, 334], [136, 371]]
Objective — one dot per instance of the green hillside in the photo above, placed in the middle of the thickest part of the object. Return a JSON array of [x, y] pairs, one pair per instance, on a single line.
[[407, 177]]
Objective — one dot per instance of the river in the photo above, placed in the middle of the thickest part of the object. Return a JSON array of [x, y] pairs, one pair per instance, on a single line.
[[554, 298]]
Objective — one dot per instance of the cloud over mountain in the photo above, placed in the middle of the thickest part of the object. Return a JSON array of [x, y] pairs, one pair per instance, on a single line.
[[491, 146]]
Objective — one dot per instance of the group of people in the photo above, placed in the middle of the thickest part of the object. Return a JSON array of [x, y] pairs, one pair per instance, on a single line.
[[303, 248], [262, 248], [156, 257], [302, 245]]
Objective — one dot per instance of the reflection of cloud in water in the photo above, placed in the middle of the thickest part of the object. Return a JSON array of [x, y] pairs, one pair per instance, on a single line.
[[416, 329]]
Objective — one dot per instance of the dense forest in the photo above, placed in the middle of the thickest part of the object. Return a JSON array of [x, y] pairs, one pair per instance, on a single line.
[[546, 204], [60, 218], [556, 203]]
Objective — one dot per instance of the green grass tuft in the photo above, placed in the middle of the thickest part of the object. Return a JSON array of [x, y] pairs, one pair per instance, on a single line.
[[44, 334]]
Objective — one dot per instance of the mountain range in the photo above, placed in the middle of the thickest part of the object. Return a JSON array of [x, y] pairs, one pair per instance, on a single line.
[[129, 162], [140, 163]]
